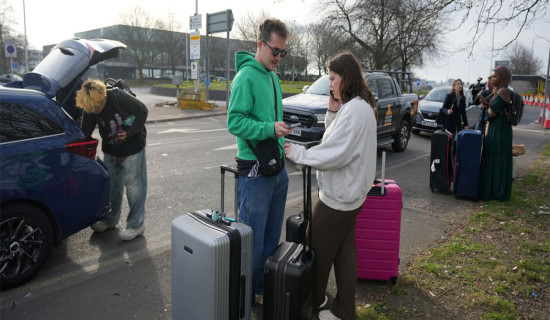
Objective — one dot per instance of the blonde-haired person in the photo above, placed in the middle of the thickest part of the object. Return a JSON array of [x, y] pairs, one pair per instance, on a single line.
[[454, 107], [121, 121], [346, 165]]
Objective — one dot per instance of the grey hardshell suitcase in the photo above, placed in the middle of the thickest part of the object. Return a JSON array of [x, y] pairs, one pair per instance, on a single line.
[[211, 264]]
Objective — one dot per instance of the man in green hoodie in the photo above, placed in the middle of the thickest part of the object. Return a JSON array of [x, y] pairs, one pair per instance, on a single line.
[[255, 113]]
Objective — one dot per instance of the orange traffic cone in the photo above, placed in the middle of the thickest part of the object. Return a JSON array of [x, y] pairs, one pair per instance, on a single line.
[[541, 114], [530, 102], [546, 124]]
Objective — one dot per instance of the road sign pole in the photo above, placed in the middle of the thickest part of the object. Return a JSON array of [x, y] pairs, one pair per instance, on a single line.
[[228, 62]]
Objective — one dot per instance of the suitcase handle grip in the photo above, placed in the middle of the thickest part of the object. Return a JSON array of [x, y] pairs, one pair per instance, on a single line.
[[306, 176], [223, 169]]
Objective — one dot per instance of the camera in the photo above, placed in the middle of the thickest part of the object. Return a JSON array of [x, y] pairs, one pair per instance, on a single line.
[[477, 87]]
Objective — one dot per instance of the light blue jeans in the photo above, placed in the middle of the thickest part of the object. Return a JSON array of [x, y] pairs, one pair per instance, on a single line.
[[129, 172], [262, 203]]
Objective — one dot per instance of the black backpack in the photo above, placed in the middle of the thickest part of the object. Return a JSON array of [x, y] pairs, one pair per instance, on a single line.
[[513, 116], [121, 84]]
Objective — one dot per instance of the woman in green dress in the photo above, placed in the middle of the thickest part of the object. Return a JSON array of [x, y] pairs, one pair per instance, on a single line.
[[496, 163]]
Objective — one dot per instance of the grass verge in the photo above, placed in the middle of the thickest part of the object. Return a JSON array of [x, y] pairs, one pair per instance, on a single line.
[[495, 266]]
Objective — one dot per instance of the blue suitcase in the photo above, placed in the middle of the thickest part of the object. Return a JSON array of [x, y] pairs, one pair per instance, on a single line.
[[467, 163]]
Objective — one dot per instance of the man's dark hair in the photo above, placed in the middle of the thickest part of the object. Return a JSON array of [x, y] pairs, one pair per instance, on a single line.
[[268, 26]]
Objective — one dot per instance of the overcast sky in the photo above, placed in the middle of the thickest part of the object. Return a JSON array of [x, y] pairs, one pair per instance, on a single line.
[[51, 21]]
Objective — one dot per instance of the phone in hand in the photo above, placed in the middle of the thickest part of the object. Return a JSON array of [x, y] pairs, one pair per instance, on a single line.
[[333, 97], [293, 125]]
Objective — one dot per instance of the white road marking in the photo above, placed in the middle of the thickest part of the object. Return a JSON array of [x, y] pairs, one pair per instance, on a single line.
[[230, 147], [191, 130]]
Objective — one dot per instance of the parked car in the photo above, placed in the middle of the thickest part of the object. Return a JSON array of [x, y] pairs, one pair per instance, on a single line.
[[428, 109], [394, 109], [7, 78], [220, 79], [51, 184]]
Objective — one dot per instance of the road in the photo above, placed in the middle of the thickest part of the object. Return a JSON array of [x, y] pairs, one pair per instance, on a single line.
[[95, 276]]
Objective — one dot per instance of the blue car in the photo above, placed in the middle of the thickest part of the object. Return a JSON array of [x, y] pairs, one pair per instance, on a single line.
[[51, 184]]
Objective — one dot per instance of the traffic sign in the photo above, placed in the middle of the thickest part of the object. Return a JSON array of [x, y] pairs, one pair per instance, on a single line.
[[10, 47], [195, 22], [195, 45], [219, 21]]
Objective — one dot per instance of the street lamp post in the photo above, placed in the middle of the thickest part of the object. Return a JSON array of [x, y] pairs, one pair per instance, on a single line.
[[26, 52]]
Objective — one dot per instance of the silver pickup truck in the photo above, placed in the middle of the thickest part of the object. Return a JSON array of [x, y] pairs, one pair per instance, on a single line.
[[395, 110]]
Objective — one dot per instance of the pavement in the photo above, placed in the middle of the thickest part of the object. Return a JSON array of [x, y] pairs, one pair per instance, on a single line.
[[432, 215]]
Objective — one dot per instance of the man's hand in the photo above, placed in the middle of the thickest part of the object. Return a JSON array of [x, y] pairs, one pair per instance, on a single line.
[[281, 129]]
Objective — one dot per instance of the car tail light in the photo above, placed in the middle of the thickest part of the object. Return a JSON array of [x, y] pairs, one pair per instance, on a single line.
[[86, 147]]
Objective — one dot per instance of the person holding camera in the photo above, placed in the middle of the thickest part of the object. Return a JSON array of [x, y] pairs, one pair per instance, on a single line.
[[255, 117], [482, 99], [454, 107]]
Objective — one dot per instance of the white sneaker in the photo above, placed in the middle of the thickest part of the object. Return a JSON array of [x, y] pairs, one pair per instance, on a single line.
[[131, 234], [101, 226], [327, 315]]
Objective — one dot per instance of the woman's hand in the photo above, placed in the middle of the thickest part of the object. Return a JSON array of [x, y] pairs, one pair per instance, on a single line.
[[288, 147], [450, 112], [333, 104]]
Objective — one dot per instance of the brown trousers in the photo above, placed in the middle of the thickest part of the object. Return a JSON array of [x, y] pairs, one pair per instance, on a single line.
[[333, 239]]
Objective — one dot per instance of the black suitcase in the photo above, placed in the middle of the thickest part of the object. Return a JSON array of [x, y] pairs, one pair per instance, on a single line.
[[441, 171], [288, 273], [296, 224]]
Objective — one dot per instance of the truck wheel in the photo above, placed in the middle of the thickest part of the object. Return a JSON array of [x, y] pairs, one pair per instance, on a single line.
[[402, 137]]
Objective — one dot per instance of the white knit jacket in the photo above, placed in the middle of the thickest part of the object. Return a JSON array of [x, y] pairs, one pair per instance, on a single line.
[[346, 158]]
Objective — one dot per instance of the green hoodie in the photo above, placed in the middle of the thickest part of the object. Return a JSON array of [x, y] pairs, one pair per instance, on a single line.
[[251, 112]]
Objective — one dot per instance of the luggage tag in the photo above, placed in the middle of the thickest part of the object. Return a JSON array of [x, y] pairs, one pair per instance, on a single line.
[[220, 217]]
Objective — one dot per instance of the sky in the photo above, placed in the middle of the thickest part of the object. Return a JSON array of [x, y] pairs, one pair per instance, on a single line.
[[48, 22]]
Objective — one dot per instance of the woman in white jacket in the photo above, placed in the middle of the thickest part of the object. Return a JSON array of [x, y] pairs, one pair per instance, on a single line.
[[346, 165]]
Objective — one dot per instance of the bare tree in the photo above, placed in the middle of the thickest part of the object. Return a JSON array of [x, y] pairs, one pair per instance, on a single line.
[[324, 42], [173, 41], [370, 24], [523, 61], [498, 12], [139, 31], [419, 30], [246, 28]]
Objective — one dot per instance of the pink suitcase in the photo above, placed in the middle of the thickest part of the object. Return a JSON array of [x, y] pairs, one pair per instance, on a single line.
[[378, 232]]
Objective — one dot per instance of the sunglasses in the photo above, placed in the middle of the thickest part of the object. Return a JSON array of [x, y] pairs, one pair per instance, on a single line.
[[276, 51]]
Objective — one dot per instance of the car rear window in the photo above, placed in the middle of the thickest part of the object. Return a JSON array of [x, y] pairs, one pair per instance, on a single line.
[[18, 122]]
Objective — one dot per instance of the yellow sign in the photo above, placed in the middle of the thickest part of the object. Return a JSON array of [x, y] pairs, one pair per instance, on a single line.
[[195, 37]]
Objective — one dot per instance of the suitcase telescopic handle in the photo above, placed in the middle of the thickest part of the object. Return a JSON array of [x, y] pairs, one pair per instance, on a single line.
[[235, 172], [306, 176]]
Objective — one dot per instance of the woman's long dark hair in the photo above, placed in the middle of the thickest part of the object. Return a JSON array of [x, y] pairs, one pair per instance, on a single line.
[[353, 83], [461, 92]]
